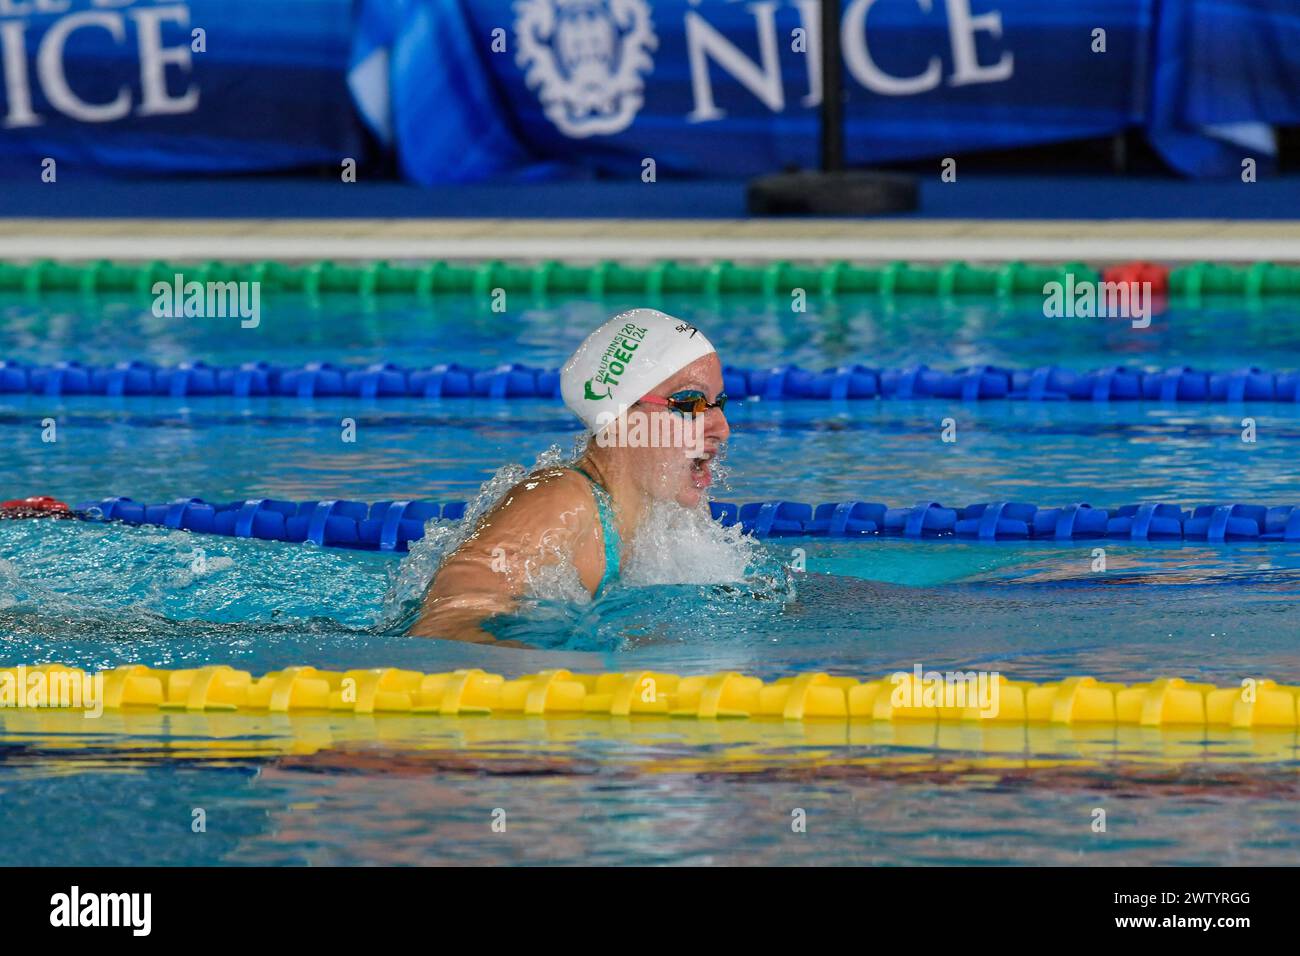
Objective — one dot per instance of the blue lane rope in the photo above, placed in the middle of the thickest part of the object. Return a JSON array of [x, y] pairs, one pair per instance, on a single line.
[[392, 525], [324, 380]]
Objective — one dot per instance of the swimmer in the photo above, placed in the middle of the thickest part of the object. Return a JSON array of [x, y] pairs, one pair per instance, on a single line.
[[649, 387]]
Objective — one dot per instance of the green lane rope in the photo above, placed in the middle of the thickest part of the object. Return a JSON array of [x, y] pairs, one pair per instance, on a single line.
[[549, 277], [609, 278]]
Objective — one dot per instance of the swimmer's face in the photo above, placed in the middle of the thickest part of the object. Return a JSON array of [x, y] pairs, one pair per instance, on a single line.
[[671, 454]]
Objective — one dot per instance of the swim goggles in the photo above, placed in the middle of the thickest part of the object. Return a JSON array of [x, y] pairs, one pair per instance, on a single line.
[[689, 402]]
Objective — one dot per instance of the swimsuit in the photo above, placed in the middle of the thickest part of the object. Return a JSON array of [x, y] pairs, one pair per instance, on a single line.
[[608, 530]]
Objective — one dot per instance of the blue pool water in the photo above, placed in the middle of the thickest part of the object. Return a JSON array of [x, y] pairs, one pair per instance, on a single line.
[[101, 595]]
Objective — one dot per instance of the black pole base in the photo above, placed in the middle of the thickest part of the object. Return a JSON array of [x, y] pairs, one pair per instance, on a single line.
[[850, 192]]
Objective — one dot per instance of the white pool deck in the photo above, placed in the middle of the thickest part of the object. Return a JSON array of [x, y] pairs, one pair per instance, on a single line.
[[1098, 242]]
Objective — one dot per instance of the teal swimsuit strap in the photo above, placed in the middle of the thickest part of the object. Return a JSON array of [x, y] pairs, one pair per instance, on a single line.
[[608, 530]]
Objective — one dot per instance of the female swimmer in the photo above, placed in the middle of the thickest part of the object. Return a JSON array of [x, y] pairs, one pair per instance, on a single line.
[[649, 387]]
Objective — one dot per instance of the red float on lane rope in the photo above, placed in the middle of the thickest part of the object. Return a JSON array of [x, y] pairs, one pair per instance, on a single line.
[[1138, 272], [39, 506]]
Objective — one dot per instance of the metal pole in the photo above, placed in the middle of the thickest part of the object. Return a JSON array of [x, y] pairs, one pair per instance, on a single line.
[[832, 89], [832, 190]]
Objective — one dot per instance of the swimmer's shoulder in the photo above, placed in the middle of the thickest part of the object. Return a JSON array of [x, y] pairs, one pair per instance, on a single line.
[[542, 519], [560, 499]]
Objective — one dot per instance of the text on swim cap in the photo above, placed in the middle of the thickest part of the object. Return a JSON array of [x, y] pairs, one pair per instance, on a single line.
[[615, 359]]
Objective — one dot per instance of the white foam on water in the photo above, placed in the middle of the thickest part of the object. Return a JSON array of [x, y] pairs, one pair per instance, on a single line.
[[676, 545]]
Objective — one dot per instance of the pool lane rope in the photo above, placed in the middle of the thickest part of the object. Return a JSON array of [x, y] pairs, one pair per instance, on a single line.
[[510, 382], [390, 526], [1166, 701], [664, 277]]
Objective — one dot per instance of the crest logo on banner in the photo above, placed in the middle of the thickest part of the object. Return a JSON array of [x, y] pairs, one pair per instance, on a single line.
[[587, 60]]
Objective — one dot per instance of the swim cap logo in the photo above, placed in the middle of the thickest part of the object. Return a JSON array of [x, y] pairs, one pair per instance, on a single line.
[[586, 58], [615, 360]]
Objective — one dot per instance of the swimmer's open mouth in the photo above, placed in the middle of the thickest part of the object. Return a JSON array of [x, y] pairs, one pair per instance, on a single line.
[[701, 477]]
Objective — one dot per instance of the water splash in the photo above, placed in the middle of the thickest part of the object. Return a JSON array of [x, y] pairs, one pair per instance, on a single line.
[[676, 545]]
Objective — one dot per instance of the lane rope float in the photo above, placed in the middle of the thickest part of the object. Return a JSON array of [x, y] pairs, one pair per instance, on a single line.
[[664, 277], [1165, 701], [515, 381], [390, 526]]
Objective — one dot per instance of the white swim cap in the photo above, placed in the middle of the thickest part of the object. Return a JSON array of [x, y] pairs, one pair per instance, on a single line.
[[624, 359]]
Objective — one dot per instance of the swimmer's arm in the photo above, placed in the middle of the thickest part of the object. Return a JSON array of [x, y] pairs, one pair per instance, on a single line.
[[459, 601], [537, 524]]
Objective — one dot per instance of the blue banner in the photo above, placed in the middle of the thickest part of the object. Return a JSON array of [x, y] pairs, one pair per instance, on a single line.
[[472, 89], [480, 88], [1226, 70], [200, 85], [717, 88]]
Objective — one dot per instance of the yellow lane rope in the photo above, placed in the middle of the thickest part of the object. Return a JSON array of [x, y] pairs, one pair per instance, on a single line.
[[990, 699]]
